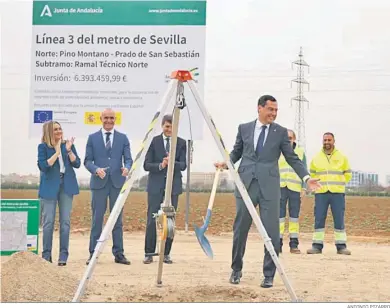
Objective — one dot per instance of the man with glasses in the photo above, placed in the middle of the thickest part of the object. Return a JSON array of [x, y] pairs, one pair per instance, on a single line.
[[106, 150], [292, 189]]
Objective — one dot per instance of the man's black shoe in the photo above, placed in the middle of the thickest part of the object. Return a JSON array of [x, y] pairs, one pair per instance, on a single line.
[[268, 282], [148, 260], [167, 260], [121, 259], [89, 259], [235, 277]]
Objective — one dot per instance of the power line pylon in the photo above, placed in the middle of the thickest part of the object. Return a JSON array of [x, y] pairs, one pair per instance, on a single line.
[[299, 125]]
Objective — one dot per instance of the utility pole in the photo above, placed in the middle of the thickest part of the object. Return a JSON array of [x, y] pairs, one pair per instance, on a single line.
[[300, 99]]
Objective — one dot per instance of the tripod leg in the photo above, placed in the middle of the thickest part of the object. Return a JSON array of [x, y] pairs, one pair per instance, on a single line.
[[172, 154], [171, 167], [125, 190], [248, 202]]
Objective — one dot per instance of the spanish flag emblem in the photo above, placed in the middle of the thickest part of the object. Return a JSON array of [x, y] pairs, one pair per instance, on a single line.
[[93, 118]]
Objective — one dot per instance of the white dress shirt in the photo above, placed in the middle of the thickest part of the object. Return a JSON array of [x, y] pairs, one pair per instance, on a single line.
[[257, 133], [165, 140], [61, 161], [111, 136]]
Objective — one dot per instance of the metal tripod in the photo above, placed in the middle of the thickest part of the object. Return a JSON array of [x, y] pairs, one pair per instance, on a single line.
[[165, 218], [178, 78]]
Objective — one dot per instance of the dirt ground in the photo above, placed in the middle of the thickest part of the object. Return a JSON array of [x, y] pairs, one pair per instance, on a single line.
[[363, 276]]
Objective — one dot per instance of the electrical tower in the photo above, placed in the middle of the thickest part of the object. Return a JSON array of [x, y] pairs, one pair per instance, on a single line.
[[299, 126]]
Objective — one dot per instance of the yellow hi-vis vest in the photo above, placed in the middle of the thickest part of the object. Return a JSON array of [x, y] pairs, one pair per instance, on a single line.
[[333, 171], [288, 177]]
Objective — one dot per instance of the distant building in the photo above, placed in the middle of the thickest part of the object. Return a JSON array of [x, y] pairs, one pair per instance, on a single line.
[[206, 180], [354, 182], [29, 179], [360, 178], [388, 180], [371, 179]]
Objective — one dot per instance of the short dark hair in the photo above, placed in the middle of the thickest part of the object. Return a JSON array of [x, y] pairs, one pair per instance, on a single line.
[[290, 130], [166, 118], [328, 133], [263, 100]]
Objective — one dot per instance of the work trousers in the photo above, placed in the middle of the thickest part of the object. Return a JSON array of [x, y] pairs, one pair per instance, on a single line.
[[293, 199], [154, 205], [269, 215], [337, 205]]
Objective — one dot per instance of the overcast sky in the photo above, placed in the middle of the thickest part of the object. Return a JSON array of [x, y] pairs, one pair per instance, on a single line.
[[249, 49]]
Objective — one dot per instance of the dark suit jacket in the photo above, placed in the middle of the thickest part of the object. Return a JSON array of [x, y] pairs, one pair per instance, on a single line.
[[96, 157], [265, 166], [49, 183], [154, 156]]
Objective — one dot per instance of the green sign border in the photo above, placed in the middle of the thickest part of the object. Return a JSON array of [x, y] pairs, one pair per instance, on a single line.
[[33, 216]]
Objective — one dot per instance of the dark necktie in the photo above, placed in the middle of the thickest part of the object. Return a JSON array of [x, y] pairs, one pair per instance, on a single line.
[[108, 143], [167, 147], [260, 142]]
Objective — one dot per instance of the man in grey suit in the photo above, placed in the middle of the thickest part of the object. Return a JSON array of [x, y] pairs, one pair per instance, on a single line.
[[108, 159], [156, 162], [259, 144]]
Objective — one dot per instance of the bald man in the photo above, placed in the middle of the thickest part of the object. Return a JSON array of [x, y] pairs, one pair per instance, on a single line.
[[108, 159]]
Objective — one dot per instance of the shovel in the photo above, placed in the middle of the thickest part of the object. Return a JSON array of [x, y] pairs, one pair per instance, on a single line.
[[203, 241]]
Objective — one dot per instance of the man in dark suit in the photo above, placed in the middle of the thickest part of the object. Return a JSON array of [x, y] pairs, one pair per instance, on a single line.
[[156, 162], [108, 159], [259, 144]]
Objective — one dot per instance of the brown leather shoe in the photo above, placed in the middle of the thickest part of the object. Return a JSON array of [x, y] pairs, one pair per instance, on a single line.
[[295, 250]]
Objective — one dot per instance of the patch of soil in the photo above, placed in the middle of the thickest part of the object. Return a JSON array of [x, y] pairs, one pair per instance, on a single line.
[[204, 294], [26, 277]]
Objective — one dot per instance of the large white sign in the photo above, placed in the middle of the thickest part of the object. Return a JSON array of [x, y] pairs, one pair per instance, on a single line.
[[92, 55]]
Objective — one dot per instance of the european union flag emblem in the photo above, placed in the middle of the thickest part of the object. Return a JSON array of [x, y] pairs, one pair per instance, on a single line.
[[41, 116]]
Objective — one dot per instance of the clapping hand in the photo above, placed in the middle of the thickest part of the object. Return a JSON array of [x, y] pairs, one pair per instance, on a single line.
[[58, 147], [165, 162], [69, 144]]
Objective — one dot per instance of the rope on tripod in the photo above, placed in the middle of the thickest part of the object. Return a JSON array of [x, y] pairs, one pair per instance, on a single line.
[[171, 227]]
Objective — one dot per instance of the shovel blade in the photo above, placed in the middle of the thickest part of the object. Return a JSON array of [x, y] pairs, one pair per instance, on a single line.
[[204, 242]]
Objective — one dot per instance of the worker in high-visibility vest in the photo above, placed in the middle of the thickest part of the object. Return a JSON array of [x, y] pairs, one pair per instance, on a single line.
[[292, 190], [333, 169]]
